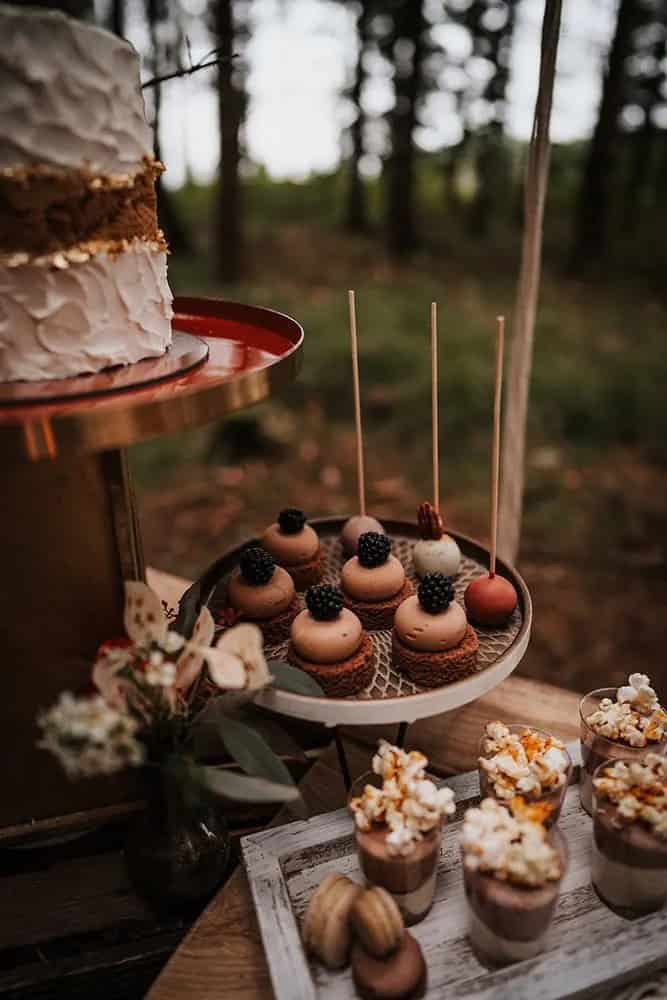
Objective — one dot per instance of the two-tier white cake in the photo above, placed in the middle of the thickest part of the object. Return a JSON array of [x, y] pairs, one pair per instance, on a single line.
[[83, 270]]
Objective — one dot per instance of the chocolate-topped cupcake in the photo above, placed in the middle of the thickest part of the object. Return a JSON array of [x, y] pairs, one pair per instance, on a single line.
[[512, 870], [295, 546], [629, 864], [519, 760], [373, 582], [625, 723], [398, 815], [328, 642], [432, 640], [263, 593]]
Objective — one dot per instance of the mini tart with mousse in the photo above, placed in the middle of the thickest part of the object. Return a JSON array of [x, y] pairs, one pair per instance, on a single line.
[[328, 642], [373, 582], [432, 640], [263, 593], [295, 546], [435, 552]]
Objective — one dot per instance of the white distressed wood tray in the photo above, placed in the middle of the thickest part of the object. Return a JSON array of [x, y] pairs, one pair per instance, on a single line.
[[590, 949]]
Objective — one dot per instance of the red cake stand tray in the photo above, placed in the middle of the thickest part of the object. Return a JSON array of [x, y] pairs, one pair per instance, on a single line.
[[68, 526]]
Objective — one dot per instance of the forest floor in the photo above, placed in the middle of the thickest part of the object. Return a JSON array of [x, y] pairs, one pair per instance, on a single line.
[[594, 544]]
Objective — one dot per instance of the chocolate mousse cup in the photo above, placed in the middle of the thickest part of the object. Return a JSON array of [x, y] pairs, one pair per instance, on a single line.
[[629, 860], [596, 749], [554, 797], [409, 878], [509, 922]]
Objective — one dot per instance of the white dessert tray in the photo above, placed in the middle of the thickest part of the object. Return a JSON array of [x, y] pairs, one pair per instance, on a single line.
[[590, 949], [390, 697]]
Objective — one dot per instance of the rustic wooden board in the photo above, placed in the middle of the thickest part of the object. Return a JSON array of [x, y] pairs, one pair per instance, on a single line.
[[589, 946]]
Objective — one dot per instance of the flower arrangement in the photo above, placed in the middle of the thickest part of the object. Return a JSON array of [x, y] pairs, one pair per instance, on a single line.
[[162, 699]]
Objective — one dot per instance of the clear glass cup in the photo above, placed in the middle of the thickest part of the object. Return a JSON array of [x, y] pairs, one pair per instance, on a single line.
[[628, 862], [554, 796], [509, 922], [596, 749], [409, 878]]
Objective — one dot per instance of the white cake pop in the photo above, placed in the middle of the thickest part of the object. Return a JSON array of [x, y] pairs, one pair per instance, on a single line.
[[435, 552]]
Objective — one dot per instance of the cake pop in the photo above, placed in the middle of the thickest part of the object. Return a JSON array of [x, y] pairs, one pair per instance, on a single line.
[[491, 599], [359, 523], [435, 552]]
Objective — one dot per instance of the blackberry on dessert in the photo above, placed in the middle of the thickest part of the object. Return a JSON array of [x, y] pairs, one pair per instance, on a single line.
[[432, 640], [435, 552], [512, 870], [629, 864], [627, 722], [373, 582], [295, 546], [328, 642], [263, 593], [519, 760]]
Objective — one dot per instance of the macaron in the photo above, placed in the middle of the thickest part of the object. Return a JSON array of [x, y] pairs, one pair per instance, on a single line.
[[399, 976], [326, 928], [377, 921]]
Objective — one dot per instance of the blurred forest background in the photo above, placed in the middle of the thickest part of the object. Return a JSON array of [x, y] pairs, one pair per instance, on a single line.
[[421, 199]]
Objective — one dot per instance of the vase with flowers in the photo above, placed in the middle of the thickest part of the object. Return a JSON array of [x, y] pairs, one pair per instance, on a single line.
[[168, 704]]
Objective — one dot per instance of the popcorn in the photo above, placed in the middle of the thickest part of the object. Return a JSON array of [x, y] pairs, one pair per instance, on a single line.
[[638, 789], [408, 803], [511, 847], [635, 718], [527, 763]]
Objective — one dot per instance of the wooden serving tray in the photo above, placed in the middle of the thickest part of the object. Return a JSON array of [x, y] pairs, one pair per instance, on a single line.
[[589, 948]]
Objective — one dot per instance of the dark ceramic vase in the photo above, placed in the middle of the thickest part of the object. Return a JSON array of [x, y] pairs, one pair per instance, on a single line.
[[178, 849]]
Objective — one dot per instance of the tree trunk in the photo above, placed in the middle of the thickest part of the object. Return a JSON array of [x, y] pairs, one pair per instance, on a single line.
[[594, 202], [402, 225], [356, 210], [117, 18], [230, 114]]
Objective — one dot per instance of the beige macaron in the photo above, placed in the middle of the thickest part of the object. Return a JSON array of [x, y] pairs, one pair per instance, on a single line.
[[326, 928], [377, 921]]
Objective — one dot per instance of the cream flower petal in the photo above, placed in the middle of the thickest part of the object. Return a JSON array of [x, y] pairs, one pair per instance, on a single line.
[[226, 669], [245, 642], [202, 634], [144, 616], [188, 666]]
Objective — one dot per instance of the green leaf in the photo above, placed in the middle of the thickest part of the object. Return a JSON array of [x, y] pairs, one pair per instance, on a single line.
[[246, 789], [252, 753], [289, 678]]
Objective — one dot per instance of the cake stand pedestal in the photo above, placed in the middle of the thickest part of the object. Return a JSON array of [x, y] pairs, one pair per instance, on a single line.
[[69, 534]]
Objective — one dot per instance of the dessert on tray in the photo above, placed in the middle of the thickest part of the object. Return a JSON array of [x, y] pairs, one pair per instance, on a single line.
[[83, 264], [295, 546], [490, 600], [512, 870], [628, 722], [401, 975], [398, 823], [374, 582], [432, 640], [328, 642], [354, 528], [521, 761], [629, 865], [326, 928], [435, 552], [263, 593]]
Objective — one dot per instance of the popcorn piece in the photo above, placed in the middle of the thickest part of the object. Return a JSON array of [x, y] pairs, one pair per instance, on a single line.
[[636, 717], [408, 803], [529, 763], [511, 847], [638, 789]]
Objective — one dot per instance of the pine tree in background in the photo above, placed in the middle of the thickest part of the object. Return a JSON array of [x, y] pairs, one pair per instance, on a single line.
[[116, 21], [356, 209]]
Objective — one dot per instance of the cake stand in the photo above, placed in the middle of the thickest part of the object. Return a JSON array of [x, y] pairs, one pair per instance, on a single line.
[[69, 535], [390, 697]]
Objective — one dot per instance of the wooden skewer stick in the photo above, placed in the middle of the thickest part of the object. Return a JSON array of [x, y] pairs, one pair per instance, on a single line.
[[434, 406], [361, 482], [495, 452]]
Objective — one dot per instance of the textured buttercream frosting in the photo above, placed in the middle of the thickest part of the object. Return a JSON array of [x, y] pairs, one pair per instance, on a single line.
[[111, 309], [69, 95]]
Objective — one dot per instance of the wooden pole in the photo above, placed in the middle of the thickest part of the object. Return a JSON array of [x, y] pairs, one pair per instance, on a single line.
[[434, 406], [495, 447], [521, 350], [361, 482]]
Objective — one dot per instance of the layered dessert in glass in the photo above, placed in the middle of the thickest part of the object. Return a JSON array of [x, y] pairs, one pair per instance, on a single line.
[[625, 723], [629, 862], [512, 870], [518, 760], [398, 814]]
